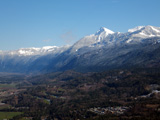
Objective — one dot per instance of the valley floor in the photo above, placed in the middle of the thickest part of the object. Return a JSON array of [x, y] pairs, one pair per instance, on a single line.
[[113, 95]]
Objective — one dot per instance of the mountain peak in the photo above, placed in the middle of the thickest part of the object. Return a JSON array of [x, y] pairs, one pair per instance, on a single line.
[[104, 30], [136, 29], [103, 33], [145, 31], [152, 28], [145, 28]]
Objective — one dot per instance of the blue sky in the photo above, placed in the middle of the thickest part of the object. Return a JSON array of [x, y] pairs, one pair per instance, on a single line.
[[37, 23]]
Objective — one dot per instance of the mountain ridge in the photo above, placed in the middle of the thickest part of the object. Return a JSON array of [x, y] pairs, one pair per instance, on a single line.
[[100, 35], [100, 51]]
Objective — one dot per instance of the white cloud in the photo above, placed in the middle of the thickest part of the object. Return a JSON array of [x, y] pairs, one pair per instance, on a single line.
[[47, 40], [68, 37]]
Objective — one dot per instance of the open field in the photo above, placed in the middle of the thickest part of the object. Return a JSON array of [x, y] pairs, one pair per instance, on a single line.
[[8, 115], [7, 85]]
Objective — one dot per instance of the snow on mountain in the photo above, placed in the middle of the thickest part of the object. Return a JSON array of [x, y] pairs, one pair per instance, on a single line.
[[36, 51], [135, 29], [148, 31], [107, 38], [141, 32], [102, 48], [88, 41], [103, 37], [103, 33]]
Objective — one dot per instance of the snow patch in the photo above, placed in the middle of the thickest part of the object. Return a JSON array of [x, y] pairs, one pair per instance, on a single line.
[[135, 29], [49, 47], [23, 52], [129, 40], [104, 31], [155, 29]]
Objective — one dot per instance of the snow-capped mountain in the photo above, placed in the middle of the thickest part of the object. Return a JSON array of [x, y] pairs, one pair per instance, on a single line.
[[90, 40], [146, 31], [107, 38], [141, 32], [113, 51], [36, 51], [103, 33], [29, 59], [100, 51]]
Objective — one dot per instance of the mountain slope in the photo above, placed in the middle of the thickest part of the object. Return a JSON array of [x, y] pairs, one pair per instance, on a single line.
[[88, 41], [142, 55], [103, 50], [23, 59], [113, 51]]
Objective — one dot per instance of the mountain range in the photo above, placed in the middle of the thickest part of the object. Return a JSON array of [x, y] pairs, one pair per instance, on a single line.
[[104, 50]]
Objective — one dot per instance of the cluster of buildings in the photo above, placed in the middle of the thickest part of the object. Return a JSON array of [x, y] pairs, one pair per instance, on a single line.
[[113, 110]]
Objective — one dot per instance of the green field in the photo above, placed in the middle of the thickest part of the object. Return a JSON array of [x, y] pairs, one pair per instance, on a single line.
[[7, 85], [4, 107], [8, 115]]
